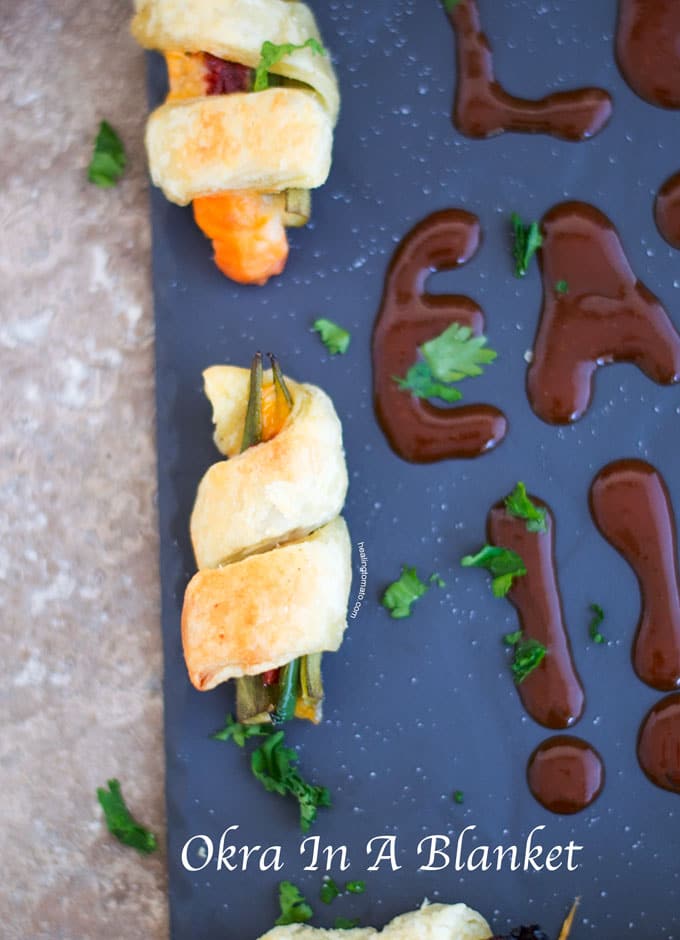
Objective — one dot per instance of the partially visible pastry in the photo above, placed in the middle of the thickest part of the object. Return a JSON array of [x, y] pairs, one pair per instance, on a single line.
[[431, 922], [273, 553], [247, 127]]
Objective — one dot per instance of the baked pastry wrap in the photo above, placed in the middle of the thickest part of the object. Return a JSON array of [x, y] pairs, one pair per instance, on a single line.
[[275, 492], [431, 922], [268, 609]]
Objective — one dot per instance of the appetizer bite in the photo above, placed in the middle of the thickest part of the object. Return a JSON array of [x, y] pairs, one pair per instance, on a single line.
[[272, 550], [246, 130]]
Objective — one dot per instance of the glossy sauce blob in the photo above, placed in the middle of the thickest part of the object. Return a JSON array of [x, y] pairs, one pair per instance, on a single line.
[[667, 210], [632, 509], [659, 744], [605, 315], [417, 430], [552, 694], [483, 108], [648, 49], [565, 774]]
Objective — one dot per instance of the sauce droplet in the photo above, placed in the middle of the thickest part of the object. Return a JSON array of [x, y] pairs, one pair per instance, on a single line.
[[565, 774], [648, 49], [417, 430], [667, 211], [604, 314], [631, 507], [552, 693], [659, 743], [484, 108]]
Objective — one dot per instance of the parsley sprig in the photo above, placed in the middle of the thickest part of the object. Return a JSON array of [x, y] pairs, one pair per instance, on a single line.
[[271, 54], [519, 505], [274, 765], [527, 241], [400, 596], [595, 622], [108, 158], [504, 564], [294, 907], [121, 823], [454, 355], [334, 337], [528, 654]]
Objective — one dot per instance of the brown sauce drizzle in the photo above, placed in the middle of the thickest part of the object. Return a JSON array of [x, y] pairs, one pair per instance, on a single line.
[[632, 509], [565, 774], [606, 315], [659, 744], [552, 694], [484, 108], [417, 430], [648, 49], [667, 210]]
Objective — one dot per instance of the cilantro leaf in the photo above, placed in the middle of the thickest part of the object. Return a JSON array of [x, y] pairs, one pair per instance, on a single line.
[[271, 54], [120, 821], [346, 923], [527, 241], [458, 797], [334, 337], [519, 505], [329, 891], [274, 766], [561, 287], [108, 158], [456, 354], [355, 887], [504, 564], [596, 620], [401, 594], [437, 579], [527, 655], [421, 383], [294, 907], [239, 734]]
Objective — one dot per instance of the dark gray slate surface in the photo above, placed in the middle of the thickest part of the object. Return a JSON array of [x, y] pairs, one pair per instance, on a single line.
[[418, 708]]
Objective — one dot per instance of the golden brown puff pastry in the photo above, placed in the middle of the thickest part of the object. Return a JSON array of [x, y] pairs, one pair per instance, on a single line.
[[276, 491], [235, 30], [431, 922], [265, 611], [267, 141]]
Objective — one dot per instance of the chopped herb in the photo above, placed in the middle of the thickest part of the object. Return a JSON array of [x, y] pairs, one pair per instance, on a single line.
[[527, 241], [519, 505], [120, 821], [562, 287], [346, 923], [334, 338], [596, 620], [436, 579], [458, 797], [527, 655], [108, 158], [274, 766], [456, 354], [452, 356], [401, 594], [294, 907], [329, 891], [271, 54], [419, 382], [355, 887], [239, 734], [504, 564]]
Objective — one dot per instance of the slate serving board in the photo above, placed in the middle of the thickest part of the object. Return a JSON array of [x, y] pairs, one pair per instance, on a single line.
[[418, 708]]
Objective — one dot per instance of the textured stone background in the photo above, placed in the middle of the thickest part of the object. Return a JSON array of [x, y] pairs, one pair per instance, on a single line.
[[81, 664]]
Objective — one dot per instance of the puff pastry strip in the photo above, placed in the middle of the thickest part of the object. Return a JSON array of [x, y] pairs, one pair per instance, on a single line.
[[274, 556]]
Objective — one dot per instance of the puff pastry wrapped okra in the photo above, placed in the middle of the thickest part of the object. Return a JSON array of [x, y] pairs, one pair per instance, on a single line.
[[273, 553], [247, 128]]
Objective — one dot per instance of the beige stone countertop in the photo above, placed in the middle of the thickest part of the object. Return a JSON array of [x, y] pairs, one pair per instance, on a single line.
[[81, 685]]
